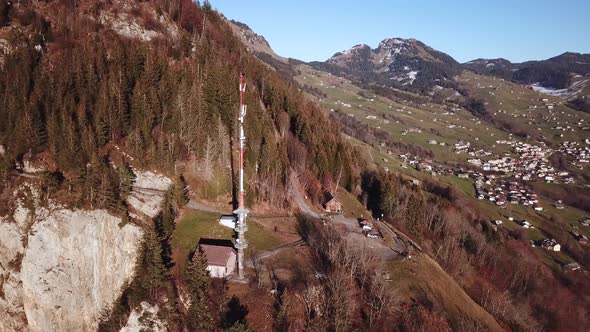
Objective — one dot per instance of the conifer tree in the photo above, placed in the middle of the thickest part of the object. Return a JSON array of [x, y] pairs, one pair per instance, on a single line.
[[126, 180], [196, 273], [282, 322], [238, 327], [165, 221], [197, 279], [198, 316], [152, 272]]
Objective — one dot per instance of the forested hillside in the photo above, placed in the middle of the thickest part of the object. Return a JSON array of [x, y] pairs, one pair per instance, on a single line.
[[74, 82], [93, 91]]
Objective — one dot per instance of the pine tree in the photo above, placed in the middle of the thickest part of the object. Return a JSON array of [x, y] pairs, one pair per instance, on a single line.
[[181, 193], [198, 315], [126, 180], [196, 273], [197, 279], [283, 305], [151, 272], [165, 221]]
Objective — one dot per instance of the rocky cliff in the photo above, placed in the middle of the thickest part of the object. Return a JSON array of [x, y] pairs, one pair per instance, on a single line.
[[60, 268]]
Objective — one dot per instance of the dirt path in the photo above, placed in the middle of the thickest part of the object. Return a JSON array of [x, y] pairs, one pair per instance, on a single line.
[[271, 252], [295, 192], [195, 205]]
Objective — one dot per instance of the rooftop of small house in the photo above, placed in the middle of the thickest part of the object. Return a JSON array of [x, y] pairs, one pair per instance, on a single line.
[[218, 252]]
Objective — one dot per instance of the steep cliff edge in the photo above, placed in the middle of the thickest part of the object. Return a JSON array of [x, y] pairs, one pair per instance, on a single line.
[[61, 268]]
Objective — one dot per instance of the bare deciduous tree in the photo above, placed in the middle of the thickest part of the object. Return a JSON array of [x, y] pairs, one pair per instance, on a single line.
[[257, 265]]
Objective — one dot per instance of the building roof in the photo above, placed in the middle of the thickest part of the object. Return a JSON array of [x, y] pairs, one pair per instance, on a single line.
[[328, 196], [217, 255]]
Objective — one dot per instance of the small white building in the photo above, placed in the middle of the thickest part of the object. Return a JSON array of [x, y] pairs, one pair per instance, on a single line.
[[228, 221], [221, 260], [525, 224], [551, 245]]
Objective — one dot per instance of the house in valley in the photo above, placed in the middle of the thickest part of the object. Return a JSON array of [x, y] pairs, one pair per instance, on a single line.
[[550, 244]]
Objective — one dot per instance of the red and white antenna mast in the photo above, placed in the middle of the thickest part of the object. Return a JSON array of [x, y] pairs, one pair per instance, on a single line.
[[241, 212]]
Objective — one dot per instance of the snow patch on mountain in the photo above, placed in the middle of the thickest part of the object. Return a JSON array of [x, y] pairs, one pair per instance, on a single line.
[[549, 90], [412, 76], [571, 92]]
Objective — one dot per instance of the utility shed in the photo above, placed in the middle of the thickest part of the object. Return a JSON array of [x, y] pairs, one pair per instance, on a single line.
[[228, 221], [221, 260]]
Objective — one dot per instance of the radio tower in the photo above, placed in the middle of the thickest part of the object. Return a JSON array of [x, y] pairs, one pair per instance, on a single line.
[[241, 212]]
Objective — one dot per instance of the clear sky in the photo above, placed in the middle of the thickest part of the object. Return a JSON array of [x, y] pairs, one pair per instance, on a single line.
[[517, 30]]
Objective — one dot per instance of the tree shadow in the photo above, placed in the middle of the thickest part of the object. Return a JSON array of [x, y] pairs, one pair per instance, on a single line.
[[235, 312]]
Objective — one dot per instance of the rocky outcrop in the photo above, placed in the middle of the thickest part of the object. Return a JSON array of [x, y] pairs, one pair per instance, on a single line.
[[61, 268], [148, 193], [135, 20], [144, 319]]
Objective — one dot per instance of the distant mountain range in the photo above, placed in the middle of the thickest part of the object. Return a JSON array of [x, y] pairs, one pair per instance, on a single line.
[[556, 72], [410, 65]]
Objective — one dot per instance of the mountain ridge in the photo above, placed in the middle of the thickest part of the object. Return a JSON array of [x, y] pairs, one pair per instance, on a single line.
[[557, 72], [409, 64]]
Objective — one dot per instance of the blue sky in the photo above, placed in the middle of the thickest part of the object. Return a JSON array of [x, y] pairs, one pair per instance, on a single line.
[[517, 30]]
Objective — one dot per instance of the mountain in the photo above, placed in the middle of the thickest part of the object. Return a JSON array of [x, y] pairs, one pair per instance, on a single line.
[[558, 73], [394, 129], [254, 42], [496, 67], [401, 63]]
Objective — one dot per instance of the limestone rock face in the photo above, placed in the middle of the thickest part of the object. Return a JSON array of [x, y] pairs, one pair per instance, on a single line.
[[12, 316], [60, 268], [74, 267]]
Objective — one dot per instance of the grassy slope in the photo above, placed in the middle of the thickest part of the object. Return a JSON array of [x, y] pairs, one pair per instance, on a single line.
[[190, 228], [510, 102], [194, 225], [352, 207], [432, 119], [421, 277]]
